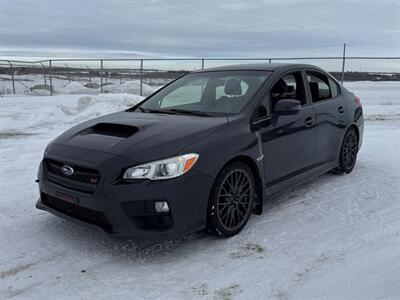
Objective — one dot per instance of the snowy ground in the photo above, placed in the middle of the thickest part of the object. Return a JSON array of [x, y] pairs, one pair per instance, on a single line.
[[337, 237]]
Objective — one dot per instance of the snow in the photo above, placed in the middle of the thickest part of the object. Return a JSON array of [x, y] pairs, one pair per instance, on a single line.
[[32, 114], [381, 99], [337, 237], [131, 87], [76, 88], [89, 107], [61, 85]]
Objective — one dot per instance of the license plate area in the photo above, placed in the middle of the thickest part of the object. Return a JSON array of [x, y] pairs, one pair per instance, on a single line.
[[67, 198]]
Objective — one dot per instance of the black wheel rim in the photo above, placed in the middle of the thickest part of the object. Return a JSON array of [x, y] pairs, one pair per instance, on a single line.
[[350, 150], [234, 200]]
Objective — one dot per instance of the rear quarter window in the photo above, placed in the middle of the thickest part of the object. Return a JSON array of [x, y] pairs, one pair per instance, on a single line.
[[335, 89], [319, 86]]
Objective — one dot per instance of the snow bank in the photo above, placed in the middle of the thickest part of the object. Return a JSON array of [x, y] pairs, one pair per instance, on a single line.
[[39, 92], [62, 86], [39, 113], [76, 88], [16, 121], [131, 87], [88, 107]]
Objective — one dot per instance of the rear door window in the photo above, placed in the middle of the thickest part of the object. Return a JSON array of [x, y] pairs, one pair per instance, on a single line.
[[319, 86]]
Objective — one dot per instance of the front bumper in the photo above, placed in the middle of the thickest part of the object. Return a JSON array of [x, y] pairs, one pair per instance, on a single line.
[[126, 210]]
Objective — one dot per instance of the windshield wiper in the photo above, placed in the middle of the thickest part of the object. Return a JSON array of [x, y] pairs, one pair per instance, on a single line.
[[158, 111], [189, 112], [173, 111], [161, 111]]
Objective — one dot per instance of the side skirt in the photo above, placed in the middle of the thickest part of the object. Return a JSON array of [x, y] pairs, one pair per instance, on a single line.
[[287, 184]]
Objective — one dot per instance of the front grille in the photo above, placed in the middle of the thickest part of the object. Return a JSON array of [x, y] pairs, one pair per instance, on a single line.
[[78, 212], [80, 173], [83, 179]]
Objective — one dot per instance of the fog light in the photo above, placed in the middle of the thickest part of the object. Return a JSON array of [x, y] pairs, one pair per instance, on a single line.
[[162, 207]]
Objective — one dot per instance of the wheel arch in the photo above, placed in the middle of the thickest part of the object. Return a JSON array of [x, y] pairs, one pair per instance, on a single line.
[[356, 129], [352, 125]]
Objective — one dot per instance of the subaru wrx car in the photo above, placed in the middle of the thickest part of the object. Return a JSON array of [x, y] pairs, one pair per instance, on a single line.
[[204, 152]]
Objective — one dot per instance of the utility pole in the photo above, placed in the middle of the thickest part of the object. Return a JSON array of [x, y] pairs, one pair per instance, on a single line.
[[51, 79], [12, 76], [101, 76], [343, 61], [141, 77]]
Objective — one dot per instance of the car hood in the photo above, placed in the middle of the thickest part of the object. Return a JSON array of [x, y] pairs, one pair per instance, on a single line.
[[140, 137]]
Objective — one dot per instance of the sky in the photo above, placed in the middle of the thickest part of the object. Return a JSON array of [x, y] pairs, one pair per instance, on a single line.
[[198, 28]]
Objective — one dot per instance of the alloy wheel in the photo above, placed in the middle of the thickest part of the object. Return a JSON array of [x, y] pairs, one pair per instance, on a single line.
[[350, 148], [234, 199]]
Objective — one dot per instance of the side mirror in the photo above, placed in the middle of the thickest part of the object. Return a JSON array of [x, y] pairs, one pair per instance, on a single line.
[[287, 107]]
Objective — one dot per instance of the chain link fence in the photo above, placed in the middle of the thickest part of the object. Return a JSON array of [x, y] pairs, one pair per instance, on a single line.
[[143, 76]]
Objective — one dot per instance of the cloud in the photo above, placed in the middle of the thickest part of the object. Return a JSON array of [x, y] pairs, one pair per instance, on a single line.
[[191, 28]]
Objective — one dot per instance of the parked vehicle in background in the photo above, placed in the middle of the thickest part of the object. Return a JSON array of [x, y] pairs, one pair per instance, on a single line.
[[205, 151]]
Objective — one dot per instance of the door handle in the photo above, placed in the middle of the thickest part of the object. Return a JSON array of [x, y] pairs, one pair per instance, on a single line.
[[341, 109], [308, 122]]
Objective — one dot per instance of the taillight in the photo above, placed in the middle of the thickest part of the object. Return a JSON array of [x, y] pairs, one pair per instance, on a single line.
[[357, 100]]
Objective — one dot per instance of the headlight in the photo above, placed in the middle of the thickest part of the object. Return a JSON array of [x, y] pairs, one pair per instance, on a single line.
[[163, 169]]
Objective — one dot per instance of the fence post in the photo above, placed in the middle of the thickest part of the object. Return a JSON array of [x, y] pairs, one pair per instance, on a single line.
[[90, 78], [101, 76], [44, 74], [202, 63], [69, 73], [12, 76], [50, 79], [141, 77], [343, 61]]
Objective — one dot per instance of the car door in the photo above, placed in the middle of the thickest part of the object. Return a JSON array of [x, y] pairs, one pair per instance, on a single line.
[[288, 141], [329, 107]]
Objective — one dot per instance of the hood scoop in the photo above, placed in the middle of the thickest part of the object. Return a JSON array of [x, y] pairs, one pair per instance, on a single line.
[[111, 130], [102, 136]]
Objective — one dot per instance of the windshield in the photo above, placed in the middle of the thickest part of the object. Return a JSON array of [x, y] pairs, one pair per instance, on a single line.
[[207, 93]]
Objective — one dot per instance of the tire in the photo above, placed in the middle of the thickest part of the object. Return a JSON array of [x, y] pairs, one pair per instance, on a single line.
[[348, 153], [231, 200]]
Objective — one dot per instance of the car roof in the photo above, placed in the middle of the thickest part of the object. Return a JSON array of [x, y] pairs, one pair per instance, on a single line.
[[260, 67]]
